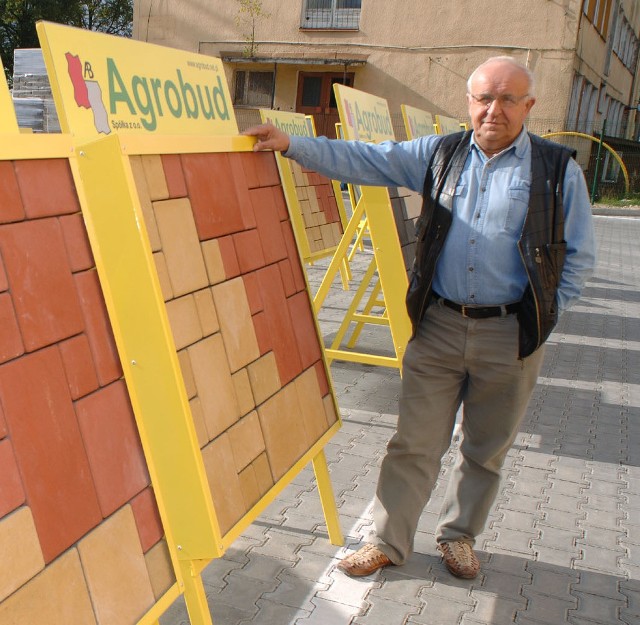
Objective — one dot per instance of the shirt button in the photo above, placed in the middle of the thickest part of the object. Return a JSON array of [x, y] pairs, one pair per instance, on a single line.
[[477, 215], [483, 189], [470, 268], [472, 241]]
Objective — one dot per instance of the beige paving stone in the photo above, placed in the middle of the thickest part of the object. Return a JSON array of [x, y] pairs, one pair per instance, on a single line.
[[249, 486], [264, 377], [57, 596], [20, 553], [313, 200], [244, 394], [184, 321], [213, 261], [283, 429], [187, 373], [160, 569], [247, 441], [263, 473], [154, 173], [224, 482], [329, 410], [116, 570], [215, 386], [206, 312], [197, 414], [163, 276], [236, 323], [312, 409], [145, 203], [181, 247]]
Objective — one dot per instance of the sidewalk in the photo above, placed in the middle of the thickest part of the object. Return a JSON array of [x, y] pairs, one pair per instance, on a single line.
[[562, 544]]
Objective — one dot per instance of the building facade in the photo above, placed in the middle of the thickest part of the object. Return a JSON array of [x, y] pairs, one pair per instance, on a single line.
[[287, 55]]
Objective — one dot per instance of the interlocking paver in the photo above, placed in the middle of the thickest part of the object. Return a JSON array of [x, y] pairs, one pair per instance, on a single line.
[[562, 541]]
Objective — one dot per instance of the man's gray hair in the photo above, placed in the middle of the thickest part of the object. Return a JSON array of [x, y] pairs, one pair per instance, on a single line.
[[505, 59]]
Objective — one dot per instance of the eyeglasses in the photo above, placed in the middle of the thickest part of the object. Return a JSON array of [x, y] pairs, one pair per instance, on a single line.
[[506, 101]]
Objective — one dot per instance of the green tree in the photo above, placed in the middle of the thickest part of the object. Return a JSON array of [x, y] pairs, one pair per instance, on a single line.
[[250, 12], [18, 20]]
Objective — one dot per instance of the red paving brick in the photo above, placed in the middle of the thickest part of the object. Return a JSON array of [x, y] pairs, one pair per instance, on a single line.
[[78, 366], [49, 449], [252, 289], [172, 166], [248, 250], [305, 329], [279, 324], [10, 338], [113, 446], [46, 187], [268, 221], [215, 194], [145, 512], [44, 296], [229, 257], [76, 242], [10, 200], [98, 327], [11, 490]]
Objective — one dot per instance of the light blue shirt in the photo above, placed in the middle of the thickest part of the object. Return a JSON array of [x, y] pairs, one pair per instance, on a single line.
[[480, 263]]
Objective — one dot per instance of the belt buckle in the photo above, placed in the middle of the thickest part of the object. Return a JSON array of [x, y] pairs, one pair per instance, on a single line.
[[463, 310]]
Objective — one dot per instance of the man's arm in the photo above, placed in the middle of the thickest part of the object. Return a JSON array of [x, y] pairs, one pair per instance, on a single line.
[[386, 164], [580, 237]]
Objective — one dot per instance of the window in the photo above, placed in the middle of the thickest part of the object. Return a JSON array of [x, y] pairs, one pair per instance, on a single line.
[[598, 12], [331, 14], [253, 88], [626, 43]]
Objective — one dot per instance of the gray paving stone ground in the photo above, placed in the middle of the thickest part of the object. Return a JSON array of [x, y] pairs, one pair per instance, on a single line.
[[562, 544]]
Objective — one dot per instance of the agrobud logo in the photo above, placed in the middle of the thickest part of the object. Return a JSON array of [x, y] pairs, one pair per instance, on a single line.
[[139, 102]]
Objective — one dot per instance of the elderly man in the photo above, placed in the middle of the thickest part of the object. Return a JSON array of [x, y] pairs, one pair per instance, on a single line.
[[505, 243]]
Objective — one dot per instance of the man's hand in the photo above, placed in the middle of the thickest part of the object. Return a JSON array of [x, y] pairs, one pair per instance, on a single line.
[[269, 138]]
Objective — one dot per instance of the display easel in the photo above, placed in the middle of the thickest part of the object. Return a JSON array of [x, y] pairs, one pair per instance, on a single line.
[[366, 117], [99, 84]]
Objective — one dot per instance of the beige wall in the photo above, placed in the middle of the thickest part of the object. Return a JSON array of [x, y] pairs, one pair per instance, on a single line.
[[418, 53]]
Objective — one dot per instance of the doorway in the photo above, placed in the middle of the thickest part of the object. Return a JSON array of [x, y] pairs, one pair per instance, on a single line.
[[315, 97]]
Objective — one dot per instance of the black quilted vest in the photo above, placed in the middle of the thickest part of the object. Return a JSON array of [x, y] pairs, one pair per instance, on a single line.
[[542, 246]]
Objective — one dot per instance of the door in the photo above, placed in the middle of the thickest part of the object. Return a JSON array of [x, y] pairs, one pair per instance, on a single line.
[[316, 97]]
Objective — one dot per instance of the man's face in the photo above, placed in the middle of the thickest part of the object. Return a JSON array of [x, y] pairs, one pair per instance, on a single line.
[[498, 104]]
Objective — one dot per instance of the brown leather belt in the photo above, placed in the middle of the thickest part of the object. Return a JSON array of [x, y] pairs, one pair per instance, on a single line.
[[479, 312]]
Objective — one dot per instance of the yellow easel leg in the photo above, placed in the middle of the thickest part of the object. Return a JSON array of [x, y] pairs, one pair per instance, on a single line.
[[327, 499], [194, 595]]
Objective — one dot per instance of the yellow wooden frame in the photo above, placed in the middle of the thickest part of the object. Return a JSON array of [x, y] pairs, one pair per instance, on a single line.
[[150, 364]]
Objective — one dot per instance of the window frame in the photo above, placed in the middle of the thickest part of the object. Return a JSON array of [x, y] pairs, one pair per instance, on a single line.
[[332, 18]]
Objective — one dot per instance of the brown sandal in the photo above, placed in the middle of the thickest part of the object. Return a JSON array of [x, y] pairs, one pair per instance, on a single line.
[[459, 559], [365, 561]]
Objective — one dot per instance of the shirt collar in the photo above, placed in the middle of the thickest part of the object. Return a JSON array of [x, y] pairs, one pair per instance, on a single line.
[[520, 145]]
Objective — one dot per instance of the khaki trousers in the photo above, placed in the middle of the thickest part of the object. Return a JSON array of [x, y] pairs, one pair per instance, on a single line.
[[452, 360]]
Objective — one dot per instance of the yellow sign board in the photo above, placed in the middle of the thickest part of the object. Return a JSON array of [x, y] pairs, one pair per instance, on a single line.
[[297, 124], [8, 123], [364, 117], [447, 125], [104, 84], [417, 122]]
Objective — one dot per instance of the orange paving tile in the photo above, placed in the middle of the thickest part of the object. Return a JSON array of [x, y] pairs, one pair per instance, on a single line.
[[54, 467], [213, 189], [113, 446], [78, 366], [11, 491], [279, 323], [98, 327], [148, 522], [10, 338], [176, 185], [76, 242], [305, 329], [46, 305], [10, 200], [46, 187]]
